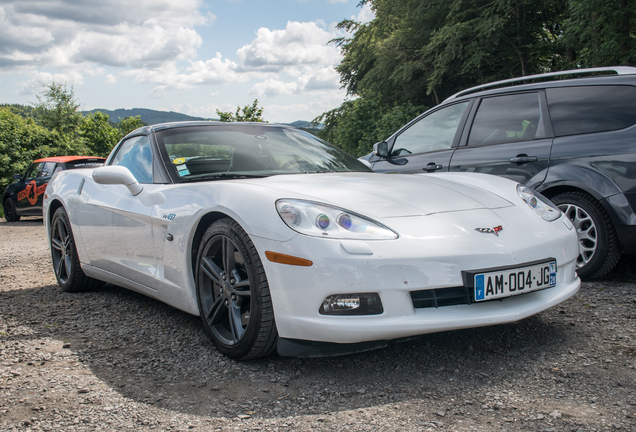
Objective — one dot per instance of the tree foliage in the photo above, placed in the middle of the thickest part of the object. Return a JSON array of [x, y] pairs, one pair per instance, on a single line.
[[58, 110], [249, 113], [129, 124], [357, 124], [54, 127], [98, 135], [419, 52], [21, 142]]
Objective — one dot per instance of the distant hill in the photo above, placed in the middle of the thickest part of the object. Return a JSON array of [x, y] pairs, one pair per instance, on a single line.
[[148, 116], [151, 117]]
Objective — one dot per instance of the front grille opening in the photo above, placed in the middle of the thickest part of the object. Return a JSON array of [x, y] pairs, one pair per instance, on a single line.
[[441, 297]]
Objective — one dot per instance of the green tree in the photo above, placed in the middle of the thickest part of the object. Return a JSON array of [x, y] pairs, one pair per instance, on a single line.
[[129, 124], [357, 124], [250, 113], [601, 33], [100, 137], [423, 51], [21, 142], [58, 110]]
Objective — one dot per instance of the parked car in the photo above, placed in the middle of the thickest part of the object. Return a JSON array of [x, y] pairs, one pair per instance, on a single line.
[[280, 241], [24, 197], [573, 140]]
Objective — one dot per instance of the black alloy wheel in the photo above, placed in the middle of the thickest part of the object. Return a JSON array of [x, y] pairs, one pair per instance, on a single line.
[[10, 213], [66, 265], [599, 250], [232, 292]]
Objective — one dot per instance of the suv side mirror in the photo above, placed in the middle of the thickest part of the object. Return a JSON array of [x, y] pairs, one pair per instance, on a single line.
[[381, 149], [116, 174], [17, 176]]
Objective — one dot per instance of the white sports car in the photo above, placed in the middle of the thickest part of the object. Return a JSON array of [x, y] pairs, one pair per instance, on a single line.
[[280, 241]]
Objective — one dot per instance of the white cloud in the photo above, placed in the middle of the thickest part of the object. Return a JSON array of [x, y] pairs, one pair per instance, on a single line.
[[298, 44], [210, 18], [110, 79], [37, 79], [169, 77], [66, 33], [366, 14], [273, 87]]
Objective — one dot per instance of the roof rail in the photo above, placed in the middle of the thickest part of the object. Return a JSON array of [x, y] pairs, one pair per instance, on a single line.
[[618, 70]]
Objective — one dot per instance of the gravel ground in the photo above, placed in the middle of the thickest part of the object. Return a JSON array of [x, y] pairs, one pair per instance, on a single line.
[[114, 360]]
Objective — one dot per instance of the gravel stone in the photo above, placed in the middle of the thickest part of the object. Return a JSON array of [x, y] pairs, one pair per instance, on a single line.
[[113, 360]]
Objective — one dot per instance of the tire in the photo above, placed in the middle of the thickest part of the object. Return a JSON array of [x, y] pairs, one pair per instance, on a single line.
[[233, 294], [598, 243], [10, 213], [66, 265]]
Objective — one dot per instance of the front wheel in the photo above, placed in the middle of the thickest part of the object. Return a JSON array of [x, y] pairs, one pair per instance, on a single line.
[[66, 264], [10, 214], [599, 250], [233, 294]]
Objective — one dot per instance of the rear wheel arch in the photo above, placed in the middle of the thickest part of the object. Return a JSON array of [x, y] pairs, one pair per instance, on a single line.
[[599, 246]]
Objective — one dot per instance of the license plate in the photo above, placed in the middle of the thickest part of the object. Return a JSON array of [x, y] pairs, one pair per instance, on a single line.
[[510, 282]]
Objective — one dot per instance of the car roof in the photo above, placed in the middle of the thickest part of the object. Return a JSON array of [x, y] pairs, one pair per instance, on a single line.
[[552, 79], [65, 159]]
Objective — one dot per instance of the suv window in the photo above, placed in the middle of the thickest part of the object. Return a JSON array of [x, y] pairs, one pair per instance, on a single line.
[[507, 118], [436, 131], [135, 154], [586, 109]]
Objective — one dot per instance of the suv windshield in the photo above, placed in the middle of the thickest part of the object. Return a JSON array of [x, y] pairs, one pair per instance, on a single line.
[[195, 152]]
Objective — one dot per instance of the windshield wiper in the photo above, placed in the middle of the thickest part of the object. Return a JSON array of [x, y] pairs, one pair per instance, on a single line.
[[222, 176]]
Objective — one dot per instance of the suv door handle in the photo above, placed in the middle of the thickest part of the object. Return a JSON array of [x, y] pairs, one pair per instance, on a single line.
[[432, 167], [524, 159]]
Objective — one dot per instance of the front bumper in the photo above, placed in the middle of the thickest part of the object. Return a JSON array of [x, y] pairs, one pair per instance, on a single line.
[[395, 268]]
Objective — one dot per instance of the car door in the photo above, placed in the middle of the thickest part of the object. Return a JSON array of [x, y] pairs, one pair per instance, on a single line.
[[427, 144], [509, 136], [33, 184], [115, 225]]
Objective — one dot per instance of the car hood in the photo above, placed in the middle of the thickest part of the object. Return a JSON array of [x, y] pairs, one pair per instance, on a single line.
[[385, 195]]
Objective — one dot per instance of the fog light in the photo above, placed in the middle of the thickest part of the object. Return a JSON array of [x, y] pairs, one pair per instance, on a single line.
[[352, 304]]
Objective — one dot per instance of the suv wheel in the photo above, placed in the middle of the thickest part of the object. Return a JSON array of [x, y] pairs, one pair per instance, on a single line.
[[599, 250]]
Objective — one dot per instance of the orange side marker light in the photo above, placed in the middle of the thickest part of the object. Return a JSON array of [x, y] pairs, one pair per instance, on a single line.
[[287, 259]]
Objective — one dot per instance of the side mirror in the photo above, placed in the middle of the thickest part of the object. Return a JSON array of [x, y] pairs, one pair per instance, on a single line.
[[17, 176], [381, 149], [117, 175]]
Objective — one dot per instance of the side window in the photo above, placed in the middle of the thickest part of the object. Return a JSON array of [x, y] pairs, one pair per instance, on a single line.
[[436, 131], [507, 118], [135, 154], [586, 109], [33, 170], [47, 169]]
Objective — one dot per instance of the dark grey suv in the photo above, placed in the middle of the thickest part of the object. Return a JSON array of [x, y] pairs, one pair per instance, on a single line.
[[570, 135]]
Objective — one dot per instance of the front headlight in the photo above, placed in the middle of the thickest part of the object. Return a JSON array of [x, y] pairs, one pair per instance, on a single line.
[[322, 220], [539, 203]]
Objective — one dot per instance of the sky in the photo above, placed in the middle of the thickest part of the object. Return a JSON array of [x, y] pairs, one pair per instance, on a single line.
[[188, 56]]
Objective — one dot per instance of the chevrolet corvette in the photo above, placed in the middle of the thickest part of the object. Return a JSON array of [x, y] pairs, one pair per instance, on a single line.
[[283, 243]]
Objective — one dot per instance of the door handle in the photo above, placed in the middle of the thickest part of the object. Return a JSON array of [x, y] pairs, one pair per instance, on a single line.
[[432, 167], [523, 159]]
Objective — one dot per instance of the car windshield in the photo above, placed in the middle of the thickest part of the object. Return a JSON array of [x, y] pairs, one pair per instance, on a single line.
[[203, 152]]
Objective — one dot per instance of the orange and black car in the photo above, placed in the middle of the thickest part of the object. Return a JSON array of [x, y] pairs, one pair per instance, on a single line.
[[24, 197]]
